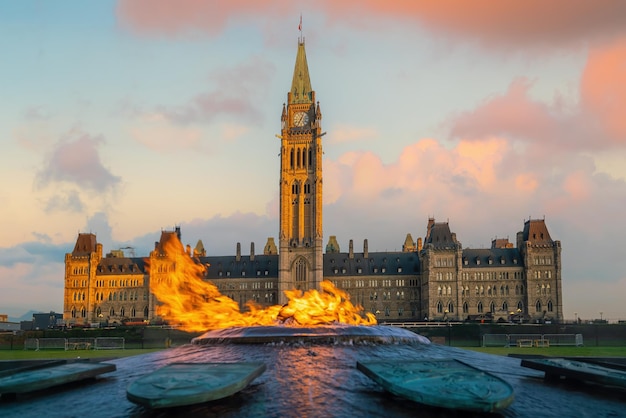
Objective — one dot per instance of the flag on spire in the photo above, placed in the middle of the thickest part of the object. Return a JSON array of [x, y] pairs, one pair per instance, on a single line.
[[300, 25]]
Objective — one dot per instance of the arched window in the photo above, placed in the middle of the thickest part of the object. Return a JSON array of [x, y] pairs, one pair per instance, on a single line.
[[520, 305], [439, 307], [291, 158], [83, 312], [465, 307], [548, 289], [439, 290], [112, 312], [145, 312], [301, 270], [73, 312], [132, 312], [538, 306], [122, 311], [492, 307], [450, 307], [550, 307], [506, 290], [505, 306], [449, 290], [501, 290], [480, 307]]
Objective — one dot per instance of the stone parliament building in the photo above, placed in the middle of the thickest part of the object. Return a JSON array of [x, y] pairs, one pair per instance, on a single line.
[[433, 278]]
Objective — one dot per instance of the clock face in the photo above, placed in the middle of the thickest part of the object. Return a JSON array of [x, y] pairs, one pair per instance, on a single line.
[[300, 119]]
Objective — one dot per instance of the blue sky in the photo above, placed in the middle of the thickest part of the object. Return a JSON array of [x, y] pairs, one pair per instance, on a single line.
[[123, 118]]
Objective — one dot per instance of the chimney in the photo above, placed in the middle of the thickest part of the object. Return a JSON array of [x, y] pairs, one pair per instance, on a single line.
[[351, 250], [238, 257], [252, 251], [365, 250]]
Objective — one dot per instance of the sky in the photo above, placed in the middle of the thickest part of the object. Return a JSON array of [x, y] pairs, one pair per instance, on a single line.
[[125, 118]]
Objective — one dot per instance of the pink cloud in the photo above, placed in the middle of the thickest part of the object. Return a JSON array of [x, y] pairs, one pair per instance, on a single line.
[[603, 88], [527, 23], [512, 113], [238, 93], [519, 23], [76, 160], [209, 16], [593, 122]]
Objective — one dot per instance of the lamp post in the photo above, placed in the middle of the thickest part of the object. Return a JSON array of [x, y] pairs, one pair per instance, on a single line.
[[519, 313], [601, 316], [576, 317]]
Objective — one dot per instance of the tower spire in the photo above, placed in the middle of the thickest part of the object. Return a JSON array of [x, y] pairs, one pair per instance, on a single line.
[[301, 91]]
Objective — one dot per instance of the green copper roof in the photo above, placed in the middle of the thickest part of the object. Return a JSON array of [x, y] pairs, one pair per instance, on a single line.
[[301, 91]]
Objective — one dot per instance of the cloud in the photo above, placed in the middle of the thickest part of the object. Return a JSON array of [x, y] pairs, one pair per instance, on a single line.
[[501, 24], [156, 132], [76, 160], [347, 133], [42, 282], [184, 16], [238, 94], [516, 24], [69, 201], [32, 252], [603, 89], [592, 123]]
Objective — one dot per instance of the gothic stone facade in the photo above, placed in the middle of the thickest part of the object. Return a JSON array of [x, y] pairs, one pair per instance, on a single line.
[[437, 280]]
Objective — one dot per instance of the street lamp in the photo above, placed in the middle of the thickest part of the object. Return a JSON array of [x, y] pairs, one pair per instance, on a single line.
[[576, 317], [601, 315], [519, 313]]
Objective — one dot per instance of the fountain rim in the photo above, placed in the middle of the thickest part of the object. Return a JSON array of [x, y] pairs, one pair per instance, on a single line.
[[321, 334]]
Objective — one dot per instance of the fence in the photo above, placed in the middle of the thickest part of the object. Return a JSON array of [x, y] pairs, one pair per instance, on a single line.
[[109, 343], [98, 343], [531, 340]]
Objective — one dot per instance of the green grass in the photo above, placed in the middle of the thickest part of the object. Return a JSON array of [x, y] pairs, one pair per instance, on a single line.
[[556, 351], [62, 354]]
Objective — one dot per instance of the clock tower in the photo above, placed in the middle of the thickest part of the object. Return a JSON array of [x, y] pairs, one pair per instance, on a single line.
[[300, 236]]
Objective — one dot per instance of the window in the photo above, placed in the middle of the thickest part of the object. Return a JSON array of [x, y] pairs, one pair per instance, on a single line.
[[480, 307], [550, 307], [439, 307], [465, 308], [538, 306], [301, 270], [450, 307]]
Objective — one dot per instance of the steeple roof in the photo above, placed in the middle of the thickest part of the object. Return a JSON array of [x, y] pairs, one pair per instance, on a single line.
[[301, 91]]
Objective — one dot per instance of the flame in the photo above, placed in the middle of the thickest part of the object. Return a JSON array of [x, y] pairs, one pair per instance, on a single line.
[[192, 303]]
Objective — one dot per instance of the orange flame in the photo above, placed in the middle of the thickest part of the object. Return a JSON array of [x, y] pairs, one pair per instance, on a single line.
[[197, 305]]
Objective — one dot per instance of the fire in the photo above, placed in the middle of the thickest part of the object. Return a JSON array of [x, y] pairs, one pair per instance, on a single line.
[[197, 305]]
